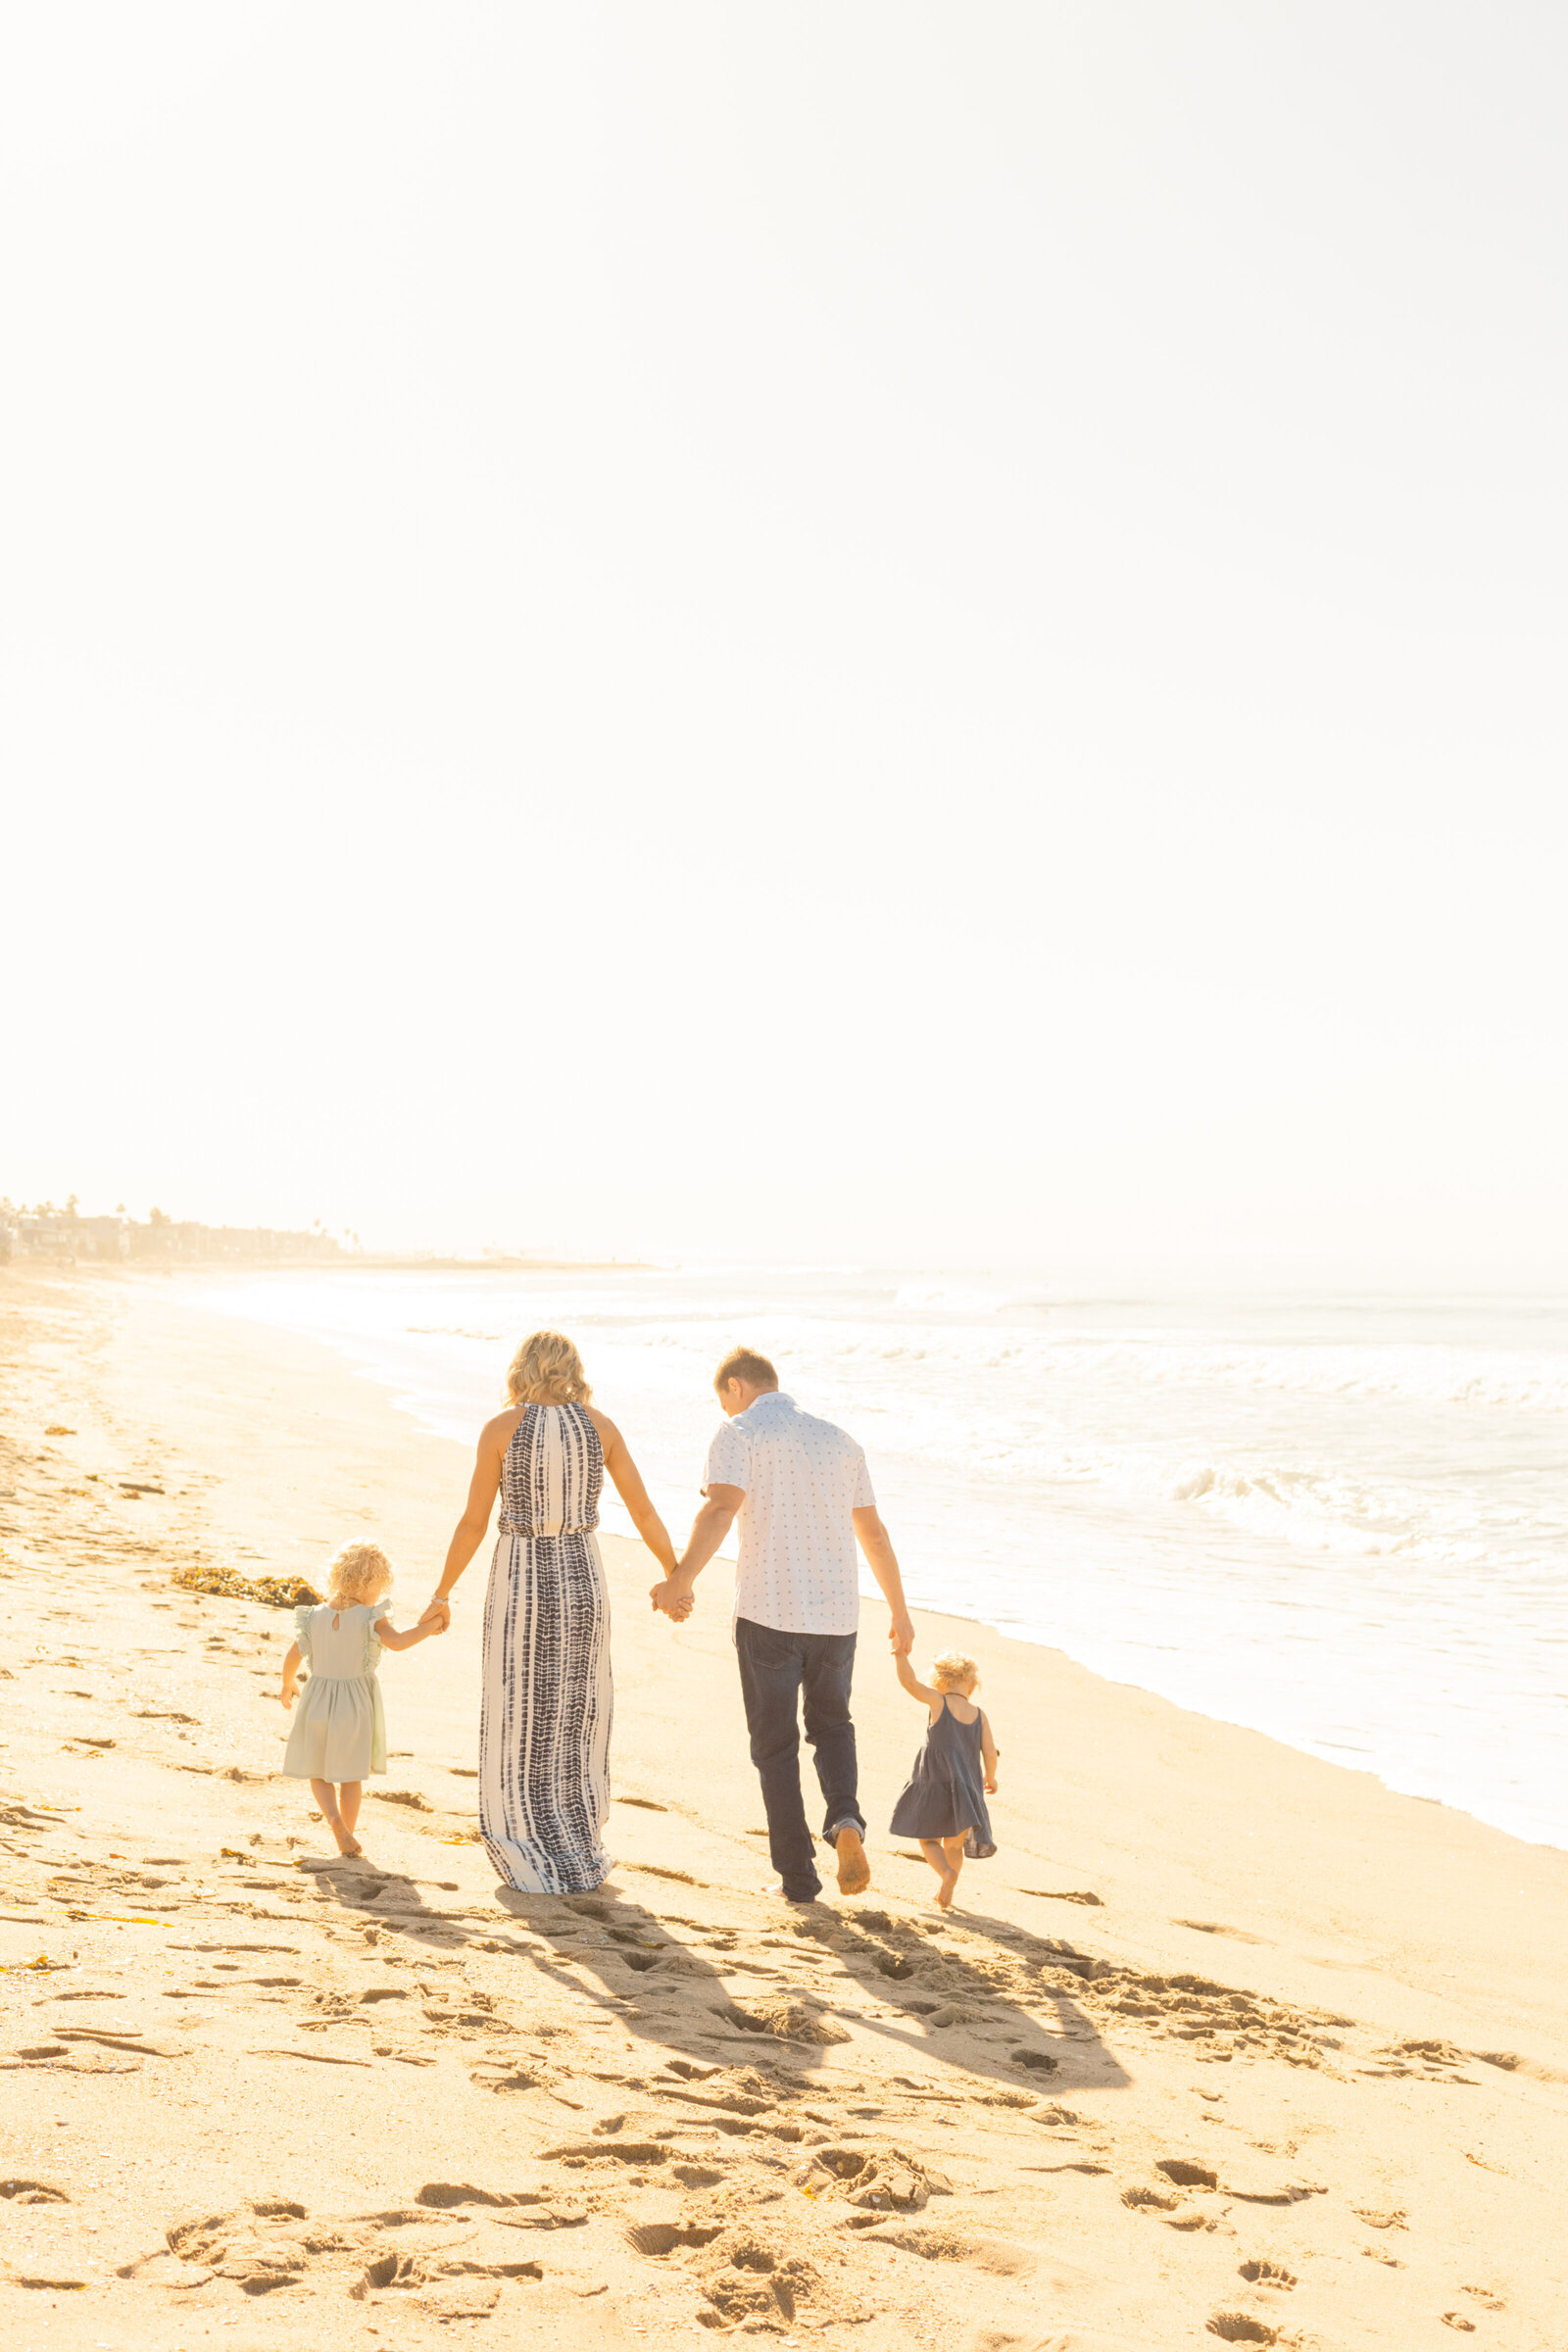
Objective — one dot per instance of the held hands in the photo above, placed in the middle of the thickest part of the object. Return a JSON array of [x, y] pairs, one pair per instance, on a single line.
[[673, 1597], [901, 1634], [437, 1614]]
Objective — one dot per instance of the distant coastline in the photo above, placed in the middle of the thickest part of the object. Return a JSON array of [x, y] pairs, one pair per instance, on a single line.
[[412, 1262], [63, 1236]]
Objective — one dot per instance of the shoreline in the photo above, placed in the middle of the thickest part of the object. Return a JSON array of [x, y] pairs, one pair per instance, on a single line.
[[367, 1363], [1283, 1982]]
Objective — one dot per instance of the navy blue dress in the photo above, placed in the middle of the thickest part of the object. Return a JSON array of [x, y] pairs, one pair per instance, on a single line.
[[945, 1795]]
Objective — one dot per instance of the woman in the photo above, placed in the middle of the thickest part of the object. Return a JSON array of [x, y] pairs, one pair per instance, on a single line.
[[544, 1724]]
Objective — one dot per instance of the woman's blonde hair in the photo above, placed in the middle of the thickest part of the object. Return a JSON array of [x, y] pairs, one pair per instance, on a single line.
[[361, 1573], [547, 1370], [952, 1669]]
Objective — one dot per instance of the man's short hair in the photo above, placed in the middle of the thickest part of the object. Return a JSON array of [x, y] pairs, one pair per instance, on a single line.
[[743, 1364]]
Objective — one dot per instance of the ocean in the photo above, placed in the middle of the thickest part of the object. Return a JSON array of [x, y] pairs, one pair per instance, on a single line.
[[1341, 1521]]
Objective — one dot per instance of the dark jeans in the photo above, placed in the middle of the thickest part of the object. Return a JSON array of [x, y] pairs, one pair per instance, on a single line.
[[777, 1670]]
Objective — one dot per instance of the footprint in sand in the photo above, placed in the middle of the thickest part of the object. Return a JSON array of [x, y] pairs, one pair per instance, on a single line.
[[1382, 2217], [786, 2016], [657, 2238], [525, 2208], [877, 2181], [1185, 2174], [1212, 1927], [996, 2256], [456, 2265]]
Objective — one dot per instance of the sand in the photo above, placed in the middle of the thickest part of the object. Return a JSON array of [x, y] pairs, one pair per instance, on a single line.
[[1225, 2042]]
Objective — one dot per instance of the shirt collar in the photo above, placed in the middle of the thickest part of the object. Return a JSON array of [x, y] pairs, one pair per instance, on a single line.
[[774, 1399]]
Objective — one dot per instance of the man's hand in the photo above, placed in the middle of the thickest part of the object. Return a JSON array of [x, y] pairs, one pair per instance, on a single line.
[[436, 1607], [901, 1634], [673, 1597]]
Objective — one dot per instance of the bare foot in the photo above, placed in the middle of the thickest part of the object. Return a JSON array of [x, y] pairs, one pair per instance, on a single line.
[[943, 1897], [854, 1871], [347, 1843]]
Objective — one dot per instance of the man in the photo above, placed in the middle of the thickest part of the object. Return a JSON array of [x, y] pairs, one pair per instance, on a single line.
[[803, 1494]]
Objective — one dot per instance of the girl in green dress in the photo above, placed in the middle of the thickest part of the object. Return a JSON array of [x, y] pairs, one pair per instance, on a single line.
[[339, 1734]]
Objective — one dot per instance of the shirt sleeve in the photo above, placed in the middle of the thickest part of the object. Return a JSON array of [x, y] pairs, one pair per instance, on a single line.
[[865, 1500], [301, 1628], [726, 1464]]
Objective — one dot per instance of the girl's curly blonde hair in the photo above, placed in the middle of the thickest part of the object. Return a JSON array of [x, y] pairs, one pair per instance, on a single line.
[[361, 1574], [547, 1370], [952, 1670]]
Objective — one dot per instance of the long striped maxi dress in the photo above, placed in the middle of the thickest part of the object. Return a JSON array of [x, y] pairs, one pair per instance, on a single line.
[[544, 1719]]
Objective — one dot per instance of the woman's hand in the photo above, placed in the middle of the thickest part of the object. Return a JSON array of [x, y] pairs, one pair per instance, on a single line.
[[674, 1596], [991, 1784], [437, 1610]]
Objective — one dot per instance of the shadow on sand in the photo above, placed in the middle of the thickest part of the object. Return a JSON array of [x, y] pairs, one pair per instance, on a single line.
[[972, 1996]]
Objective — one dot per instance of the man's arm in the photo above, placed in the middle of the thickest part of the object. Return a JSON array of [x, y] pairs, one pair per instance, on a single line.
[[880, 1558], [711, 1526]]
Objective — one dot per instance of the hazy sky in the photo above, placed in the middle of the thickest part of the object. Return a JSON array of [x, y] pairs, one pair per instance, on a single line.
[[885, 631]]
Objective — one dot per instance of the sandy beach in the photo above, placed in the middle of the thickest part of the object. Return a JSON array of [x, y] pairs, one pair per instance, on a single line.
[[1226, 2042]]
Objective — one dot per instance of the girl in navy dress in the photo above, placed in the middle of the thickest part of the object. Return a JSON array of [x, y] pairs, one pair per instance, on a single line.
[[944, 1801]]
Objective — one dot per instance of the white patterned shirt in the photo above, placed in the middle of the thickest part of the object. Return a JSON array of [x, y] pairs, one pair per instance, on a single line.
[[802, 1478]]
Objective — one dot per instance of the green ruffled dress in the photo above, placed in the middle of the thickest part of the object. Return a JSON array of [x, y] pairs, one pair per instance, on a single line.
[[340, 1727]]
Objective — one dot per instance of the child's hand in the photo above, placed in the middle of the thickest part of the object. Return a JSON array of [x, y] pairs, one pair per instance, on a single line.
[[991, 1784], [289, 1692]]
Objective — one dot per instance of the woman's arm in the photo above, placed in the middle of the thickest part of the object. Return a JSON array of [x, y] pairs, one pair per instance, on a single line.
[[915, 1689], [389, 1637], [633, 1494], [468, 1534], [988, 1753], [291, 1667]]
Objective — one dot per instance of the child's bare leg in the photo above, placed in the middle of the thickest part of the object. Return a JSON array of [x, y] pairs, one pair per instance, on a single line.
[[325, 1796], [953, 1857], [348, 1803], [933, 1851]]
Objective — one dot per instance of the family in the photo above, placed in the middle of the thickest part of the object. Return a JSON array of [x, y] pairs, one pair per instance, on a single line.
[[800, 1494]]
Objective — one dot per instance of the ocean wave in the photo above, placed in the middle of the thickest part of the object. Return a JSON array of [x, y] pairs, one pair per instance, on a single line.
[[451, 1331], [948, 1297], [1424, 1375]]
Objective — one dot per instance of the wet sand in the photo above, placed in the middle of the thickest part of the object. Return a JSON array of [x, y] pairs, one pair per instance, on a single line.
[[1225, 2042]]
